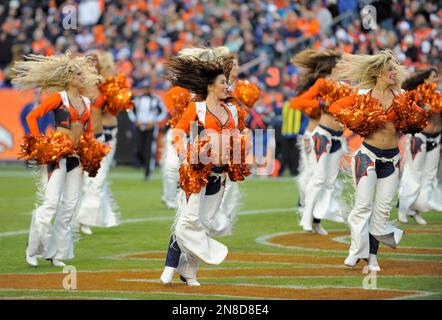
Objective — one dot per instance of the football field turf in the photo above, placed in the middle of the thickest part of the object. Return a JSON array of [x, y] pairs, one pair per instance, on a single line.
[[269, 256]]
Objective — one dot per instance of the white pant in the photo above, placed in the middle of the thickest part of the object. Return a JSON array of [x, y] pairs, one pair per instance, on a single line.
[[170, 169], [60, 192], [189, 229], [97, 206], [222, 221], [320, 194], [306, 171], [419, 188], [368, 216]]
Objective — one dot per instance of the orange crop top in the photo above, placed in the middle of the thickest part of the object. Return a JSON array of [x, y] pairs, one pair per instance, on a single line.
[[64, 116], [211, 121]]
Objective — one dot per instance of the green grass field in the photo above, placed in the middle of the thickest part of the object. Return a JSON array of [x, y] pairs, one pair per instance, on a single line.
[[268, 208]]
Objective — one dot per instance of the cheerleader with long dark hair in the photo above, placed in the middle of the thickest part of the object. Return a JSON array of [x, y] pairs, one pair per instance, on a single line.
[[211, 118], [322, 141]]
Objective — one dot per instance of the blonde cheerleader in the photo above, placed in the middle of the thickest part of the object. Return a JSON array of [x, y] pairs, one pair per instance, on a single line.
[[377, 112], [63, 154]]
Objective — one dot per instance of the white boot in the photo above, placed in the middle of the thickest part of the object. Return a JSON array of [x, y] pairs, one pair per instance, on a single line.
[[419, 219], [402, 217], [187, 268], [85, 229], [31, 260], [373, 263], [319, 229], [351, 261], [167, 275], [57, 263], [191, 282]]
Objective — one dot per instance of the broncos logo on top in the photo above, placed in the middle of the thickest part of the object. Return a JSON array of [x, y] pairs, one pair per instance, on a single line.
[[6, 139]]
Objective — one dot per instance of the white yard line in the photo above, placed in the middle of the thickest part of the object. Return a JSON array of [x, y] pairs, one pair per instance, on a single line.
[[162, 218]]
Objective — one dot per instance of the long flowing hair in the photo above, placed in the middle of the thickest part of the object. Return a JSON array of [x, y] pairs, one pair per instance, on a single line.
[[53, 73], [195, 74], [314, 64], [363, 70], [418, 78]]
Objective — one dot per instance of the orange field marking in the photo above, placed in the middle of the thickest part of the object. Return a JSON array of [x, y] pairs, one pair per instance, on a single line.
[[121, 281], [146, 281], [270, 265], [311, 241]]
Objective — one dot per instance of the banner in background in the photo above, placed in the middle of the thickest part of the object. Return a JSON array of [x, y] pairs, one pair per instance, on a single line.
[[12, 131]]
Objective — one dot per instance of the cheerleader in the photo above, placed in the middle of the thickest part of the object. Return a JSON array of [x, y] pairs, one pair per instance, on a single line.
[[376, 113], [98, 207], [322, 143], [419, 189], [61, 179], [191, 242], [223, 221]]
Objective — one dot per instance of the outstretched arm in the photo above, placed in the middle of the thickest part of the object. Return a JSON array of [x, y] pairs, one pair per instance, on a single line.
[[341, 104], [308, 99], [49, 104]]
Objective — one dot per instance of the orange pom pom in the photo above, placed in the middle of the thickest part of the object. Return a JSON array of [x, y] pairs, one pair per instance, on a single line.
[[176, 100], [246, 92], [410, 118], [117, 94], [332, 91], [239, 171], [364, 117], [429, 97], [194, 177], [91, 152], [48, 149]]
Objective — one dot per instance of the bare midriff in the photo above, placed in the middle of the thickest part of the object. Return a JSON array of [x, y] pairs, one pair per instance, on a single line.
[[312, 124], [74, 133], [383, 138], [327, 120], [109, 120]]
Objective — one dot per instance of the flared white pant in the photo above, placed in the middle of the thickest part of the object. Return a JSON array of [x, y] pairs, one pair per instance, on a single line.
[[222, 222], [60, 191], [320, 195], [193, 215], [305, 172], [419, 188], [370, 214], [97, 205]]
